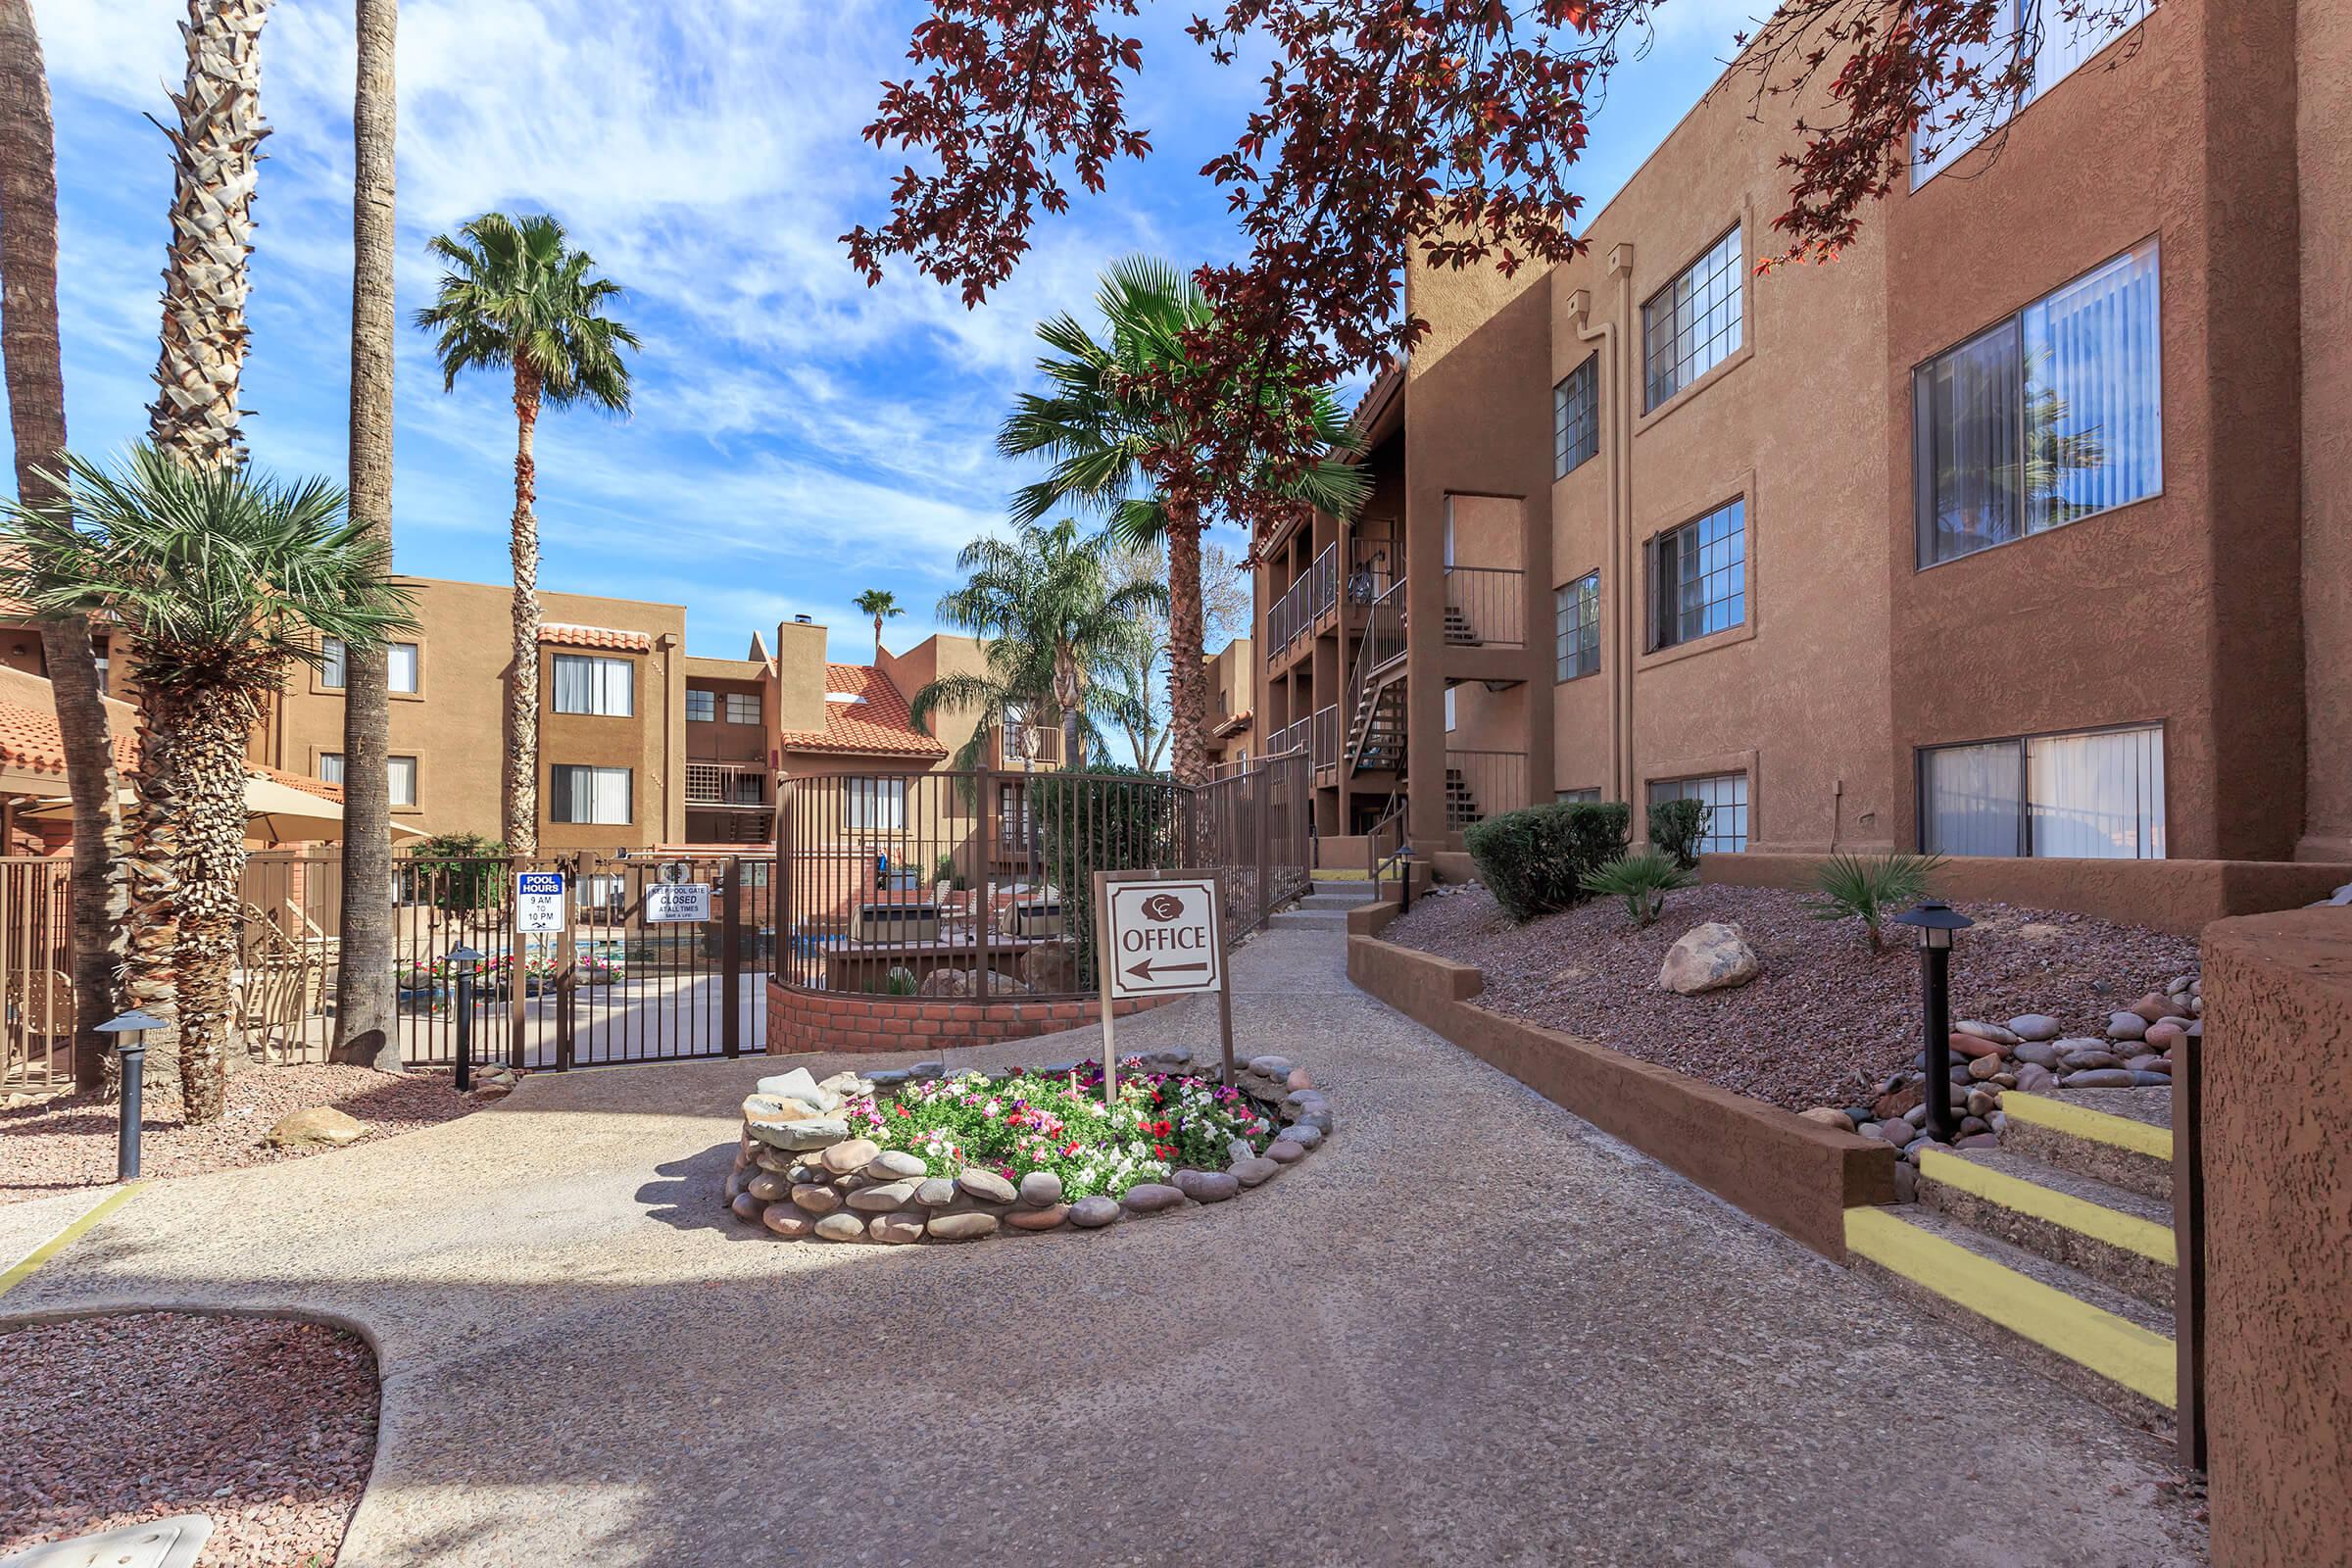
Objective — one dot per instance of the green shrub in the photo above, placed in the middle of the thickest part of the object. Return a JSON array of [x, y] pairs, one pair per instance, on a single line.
[[1643, 878], [1870, 888], [1536, 860], [1104, 819], [899, 982], [458, 872], [1676, 827], [948, 871]]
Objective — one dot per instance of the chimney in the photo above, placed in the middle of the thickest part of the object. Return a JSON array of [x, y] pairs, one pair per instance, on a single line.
[[801, 674]]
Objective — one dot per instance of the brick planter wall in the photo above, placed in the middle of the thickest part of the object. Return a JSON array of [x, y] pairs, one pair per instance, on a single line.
[[859, 1021]]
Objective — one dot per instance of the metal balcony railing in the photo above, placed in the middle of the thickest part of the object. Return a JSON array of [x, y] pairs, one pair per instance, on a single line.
[[1307, 600], [1023, 745], [1324, 745], [1384, 630], [727, 784], [1480, 784], [1486, 606]]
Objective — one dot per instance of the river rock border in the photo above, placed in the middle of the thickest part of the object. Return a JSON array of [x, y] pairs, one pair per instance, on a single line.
[[803, 1176]]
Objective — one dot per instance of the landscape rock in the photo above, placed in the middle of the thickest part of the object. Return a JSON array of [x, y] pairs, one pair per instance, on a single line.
[[1049, 966], [2034, 1026], [2152, 1006], [2165, 1036], [961, 983], [2099, 1078], [1254, 1171], [1151, 1198], [1040, 1189], [1983, 1067], [767, 1186], [2035, 1079], [888, 1198], [1038, 1219], [961, 1226], [893, 1163], [2126, 1026], [1207, 1185], [317, 1127], [1282, 1151], [1987, 1031], [799, 1085], [1830, 1117], [1299, 1079], [1897, 1102], [788, 1221], [986, 1186], [840, 1227], [801, 1136], [746, 1207], [899, 1229], [1710, 957], [2041, 1053], [815, 1200], [853, 1155], [936, 1193], [1301, 1133], [1974, 1046], [1093, 1214]]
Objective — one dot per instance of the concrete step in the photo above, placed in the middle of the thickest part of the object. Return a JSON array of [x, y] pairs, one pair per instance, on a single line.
[[2071, 1131], [1336, 900], [2107, 1342], [1297, 919], [2118, 1237]]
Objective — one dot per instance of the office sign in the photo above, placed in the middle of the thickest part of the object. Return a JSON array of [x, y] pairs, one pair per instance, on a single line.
[[1163, 936], [539, 903], [672, 903]]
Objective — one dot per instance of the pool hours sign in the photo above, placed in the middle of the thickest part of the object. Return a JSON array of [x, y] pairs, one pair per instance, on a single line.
[[1162, 937]]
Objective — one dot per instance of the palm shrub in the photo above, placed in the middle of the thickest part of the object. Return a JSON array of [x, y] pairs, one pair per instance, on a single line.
[[1868, 887], [1104, 819], [1643, 878], [1536, 860], [1675, 826], [221, 579]]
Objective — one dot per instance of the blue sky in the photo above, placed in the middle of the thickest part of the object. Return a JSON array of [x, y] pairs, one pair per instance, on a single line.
[[797, 437]]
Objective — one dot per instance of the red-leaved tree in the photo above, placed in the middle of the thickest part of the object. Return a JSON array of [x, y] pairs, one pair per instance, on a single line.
[[1389, 129]]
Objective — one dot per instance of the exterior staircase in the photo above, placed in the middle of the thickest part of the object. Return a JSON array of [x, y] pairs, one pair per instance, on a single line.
[[1325, 908], [1462, 805], [1375, 729], [1458, 631], [2059, 1237]]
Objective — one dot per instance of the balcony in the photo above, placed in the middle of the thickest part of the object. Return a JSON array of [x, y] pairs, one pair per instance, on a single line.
[[1027, 747], [1486, 606], [727, 785], [1316, 594]]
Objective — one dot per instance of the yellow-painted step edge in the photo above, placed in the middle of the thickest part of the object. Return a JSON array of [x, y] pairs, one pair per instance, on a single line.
[[2128, 1232], [2080, 1122], [2117, 1348]]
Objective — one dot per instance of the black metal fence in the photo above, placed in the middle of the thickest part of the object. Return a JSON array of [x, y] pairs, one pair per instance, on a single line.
[[974, 884]]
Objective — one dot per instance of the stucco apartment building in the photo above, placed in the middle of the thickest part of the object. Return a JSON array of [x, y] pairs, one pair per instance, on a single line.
[[2020, 530]]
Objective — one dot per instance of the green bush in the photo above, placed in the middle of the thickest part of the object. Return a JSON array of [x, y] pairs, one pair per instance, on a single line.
[[1676, 827], [455, 871], [1868, 888], [1536, 860], [1643, 878], [1104, 819], [948, 871]]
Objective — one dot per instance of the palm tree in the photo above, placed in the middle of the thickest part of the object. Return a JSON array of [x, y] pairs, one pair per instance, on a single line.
[[1054, 624], [1115, 439], [366, 1000], [518, 297], [215, 154], [31, 359], [220, 579], [882, 604]]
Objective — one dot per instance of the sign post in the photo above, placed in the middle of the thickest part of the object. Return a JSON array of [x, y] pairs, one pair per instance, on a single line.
[[1160, 934]]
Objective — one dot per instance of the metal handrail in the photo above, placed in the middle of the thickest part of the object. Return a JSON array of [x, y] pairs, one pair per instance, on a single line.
[[1324, 745], [1390, 829], [1486, 606]]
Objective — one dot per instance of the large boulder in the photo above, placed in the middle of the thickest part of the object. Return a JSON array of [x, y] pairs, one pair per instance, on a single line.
[[1709, 957], [964, 983], [1052, 967], [317, 1127]]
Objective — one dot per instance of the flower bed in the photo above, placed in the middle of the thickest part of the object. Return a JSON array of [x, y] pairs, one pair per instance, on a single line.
[[914, 1155]]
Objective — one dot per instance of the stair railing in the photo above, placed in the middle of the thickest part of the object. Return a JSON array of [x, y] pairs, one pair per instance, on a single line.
[[1386, 853]]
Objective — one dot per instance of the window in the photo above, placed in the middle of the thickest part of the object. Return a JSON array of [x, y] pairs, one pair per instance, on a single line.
[[2054, 44], [1576, 417], [701, 706], [1449, 723], [580, 793], [400, 666], [877, 804], [2095, 795], [2052, 416], [1698, 578], [742, 708], [1726, 797], [1591, 796], [588, 684], [1575, 625], [1691, 324], [403, 771]]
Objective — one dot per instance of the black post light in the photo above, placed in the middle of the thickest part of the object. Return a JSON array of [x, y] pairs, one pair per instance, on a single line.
[[1936, 921], [131, 1045], [461, 959]]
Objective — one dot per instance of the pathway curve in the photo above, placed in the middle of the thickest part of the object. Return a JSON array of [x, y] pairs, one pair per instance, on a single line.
[[1471, 1329]]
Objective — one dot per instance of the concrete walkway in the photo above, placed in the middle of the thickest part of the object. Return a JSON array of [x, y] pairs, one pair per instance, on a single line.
[[1470, 1330]]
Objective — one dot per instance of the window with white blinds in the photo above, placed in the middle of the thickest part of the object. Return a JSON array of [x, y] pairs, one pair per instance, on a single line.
[[876, 803], [587, 685], [2052, 416], [400, 666], [2090, 795], [580, 794], [2053, 43], [404, 779]]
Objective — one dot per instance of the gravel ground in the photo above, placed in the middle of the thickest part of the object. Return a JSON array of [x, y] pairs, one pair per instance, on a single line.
[[1826, 1019], [68, 1142], [264, 1425]]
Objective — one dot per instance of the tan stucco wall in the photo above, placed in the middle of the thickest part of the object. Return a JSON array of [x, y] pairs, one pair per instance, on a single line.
[[2324, 132], [455, 725]]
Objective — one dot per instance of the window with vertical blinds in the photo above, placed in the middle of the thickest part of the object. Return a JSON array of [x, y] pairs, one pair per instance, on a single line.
[[2053, 415], [582, 794], [587, 685], [2088, 795]]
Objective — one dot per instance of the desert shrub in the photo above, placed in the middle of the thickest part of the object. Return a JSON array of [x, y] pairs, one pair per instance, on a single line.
[[1104, 819], [948, 871], [1868, 888], [1643, 878], [1676, 827], [1536, 860], [458, 872], [900, 981]]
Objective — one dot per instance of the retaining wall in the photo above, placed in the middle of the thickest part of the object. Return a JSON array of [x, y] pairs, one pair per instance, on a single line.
[[2178, 896], [859, 1021], [2277, 1150], [1793, 1174]]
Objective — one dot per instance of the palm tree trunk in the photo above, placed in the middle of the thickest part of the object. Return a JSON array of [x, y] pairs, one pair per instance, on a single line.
[[522, 692], [212, 727], [33, 371], [1188, 744], [366, 1019], [877, 640], [216, 150]]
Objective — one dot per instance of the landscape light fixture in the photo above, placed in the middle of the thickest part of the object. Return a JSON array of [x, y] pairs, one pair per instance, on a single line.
[[129, 1030], [1936, 921], [461, 959]]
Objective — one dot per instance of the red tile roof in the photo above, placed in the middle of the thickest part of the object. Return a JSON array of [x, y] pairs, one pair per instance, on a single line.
[[563, 634], [29, 738], [878, 726]]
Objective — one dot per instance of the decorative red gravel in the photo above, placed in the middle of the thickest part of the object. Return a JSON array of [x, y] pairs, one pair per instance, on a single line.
[[264, 1425], [69, 1141], [1827, 1022]]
